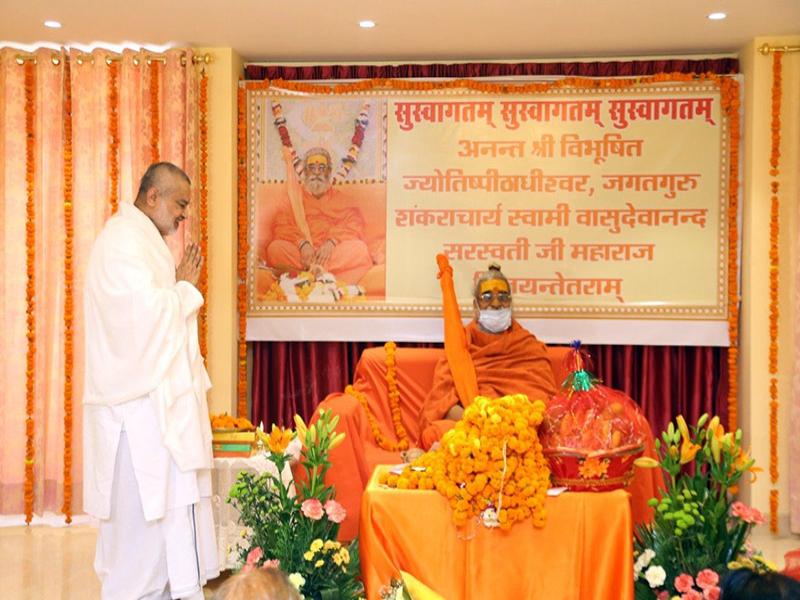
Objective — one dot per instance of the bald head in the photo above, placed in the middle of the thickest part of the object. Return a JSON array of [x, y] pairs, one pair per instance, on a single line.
[[162, 176], [164, 194]]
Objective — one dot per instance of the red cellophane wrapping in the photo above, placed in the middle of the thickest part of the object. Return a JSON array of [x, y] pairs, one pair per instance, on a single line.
[[591, 434]]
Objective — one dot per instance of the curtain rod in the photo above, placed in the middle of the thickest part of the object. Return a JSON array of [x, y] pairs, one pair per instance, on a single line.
[[767, 49], [197, 59]]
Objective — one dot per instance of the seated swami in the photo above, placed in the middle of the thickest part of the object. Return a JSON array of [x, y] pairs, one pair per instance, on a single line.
[[507, 359]]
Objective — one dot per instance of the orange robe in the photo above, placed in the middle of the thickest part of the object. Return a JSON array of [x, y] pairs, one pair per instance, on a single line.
[[512, 362], [329, 217]]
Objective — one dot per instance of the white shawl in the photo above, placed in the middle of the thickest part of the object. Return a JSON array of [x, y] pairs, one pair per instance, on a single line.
[[141, 335]]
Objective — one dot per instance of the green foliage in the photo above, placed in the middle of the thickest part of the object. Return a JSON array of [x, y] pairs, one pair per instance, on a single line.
[[302, 541], [697, 525]]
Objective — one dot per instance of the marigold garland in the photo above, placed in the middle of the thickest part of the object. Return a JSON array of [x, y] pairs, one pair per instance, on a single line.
[[369, 85], [773, 511], [203, 142], [113, 135], [355, 144], [286, 139], [774, 237], [490, 465], [243, 250], [348, 161], [154, 111], [729, 88], [66, 506], [30, 290], [402, 442]]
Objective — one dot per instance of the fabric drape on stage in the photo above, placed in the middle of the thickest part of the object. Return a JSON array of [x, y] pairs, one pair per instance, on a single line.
[[293, 377], [91, 108], [583, 551], [632, 68]]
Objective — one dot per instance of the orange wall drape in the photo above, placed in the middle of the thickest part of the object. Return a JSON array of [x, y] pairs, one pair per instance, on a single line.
[[78, 152]]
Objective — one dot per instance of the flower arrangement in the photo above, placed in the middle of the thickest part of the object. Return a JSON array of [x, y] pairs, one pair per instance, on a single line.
[[489, 466], [294, 526], [698, 532]]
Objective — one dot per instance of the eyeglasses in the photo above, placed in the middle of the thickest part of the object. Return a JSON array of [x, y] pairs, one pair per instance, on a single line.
[[318, 168], [486, 298]]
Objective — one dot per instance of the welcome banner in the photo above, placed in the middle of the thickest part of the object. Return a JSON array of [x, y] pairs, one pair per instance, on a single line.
[[599, 200]]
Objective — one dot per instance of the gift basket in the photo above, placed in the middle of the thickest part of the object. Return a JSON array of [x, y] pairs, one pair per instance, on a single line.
[[591, 434]]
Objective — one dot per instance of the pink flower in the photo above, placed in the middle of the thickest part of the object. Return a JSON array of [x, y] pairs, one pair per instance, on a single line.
[[712, 593], [254, 556], [312, 508], [747, 513], [692, 595], [335, 511], [271, 564], [684, 583], [663, 595], [707, 579]]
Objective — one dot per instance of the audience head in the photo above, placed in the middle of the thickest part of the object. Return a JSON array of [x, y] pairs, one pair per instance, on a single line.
[[258, 584], [164, 194], [746, 584], [492, 300]]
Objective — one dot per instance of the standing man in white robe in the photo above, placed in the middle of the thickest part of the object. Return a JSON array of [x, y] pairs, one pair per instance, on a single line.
[[147, 436]]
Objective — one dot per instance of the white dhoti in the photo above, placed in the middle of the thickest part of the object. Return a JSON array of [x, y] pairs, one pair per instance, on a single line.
[[139, 556]]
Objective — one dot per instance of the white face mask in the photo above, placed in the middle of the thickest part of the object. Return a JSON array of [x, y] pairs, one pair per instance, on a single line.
[[495, 320]]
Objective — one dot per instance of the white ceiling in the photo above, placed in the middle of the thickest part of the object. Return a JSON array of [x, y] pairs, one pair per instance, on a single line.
[[408, 30]]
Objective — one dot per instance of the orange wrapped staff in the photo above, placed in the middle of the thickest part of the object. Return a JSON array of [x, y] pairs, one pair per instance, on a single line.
[[455, 338]]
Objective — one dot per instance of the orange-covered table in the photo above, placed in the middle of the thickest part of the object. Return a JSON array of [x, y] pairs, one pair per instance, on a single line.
[[583, 553]]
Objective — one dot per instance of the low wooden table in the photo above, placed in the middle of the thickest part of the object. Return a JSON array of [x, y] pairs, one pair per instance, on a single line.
[[583, 553]]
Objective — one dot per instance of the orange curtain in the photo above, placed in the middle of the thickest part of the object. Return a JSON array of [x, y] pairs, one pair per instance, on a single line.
[[56, 302]]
